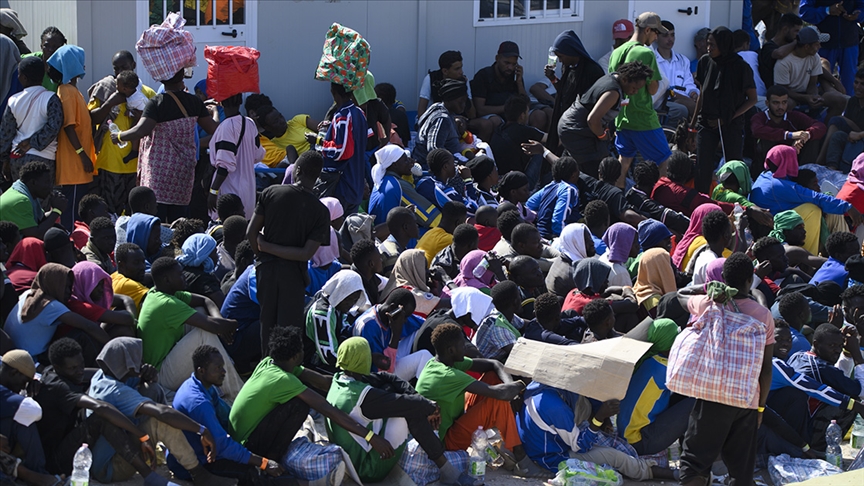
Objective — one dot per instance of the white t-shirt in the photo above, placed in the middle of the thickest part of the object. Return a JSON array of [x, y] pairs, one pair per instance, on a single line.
[[28, 412], [795, 72], [700, 266], [752, 58], [426, 89], [545, 82]]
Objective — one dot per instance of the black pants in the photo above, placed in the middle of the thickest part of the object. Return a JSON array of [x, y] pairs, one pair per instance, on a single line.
[[791, 405], [707, 142], [776, 437], [281, 294], [720, 430], [276, 430], [168, 213], [414, 409], [247, 475], [89, 431]]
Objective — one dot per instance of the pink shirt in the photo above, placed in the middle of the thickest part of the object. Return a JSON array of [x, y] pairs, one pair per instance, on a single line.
[[239, 161]]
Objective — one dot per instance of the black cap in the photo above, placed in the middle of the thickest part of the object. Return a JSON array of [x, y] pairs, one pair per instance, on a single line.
[[55, 238], [509, 49]]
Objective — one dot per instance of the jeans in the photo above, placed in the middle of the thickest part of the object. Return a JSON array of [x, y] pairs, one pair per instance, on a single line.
[[665, 429], [74, 193], [707, 141], [28, 439], [532, 170], [720, 430], [277, 429]]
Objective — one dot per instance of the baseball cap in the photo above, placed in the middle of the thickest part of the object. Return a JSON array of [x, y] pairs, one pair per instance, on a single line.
[[509, 49], [21, 361], [622, 29], [650, 20], [810, 34]]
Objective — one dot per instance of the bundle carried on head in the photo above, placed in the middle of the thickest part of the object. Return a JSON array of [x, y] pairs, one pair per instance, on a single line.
[[231, 70], [166, 49], [345, 58]]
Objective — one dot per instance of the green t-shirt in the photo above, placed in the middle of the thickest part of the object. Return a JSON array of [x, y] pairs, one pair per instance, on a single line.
[[268, 387], [639, 113], [160, 324], [16, 207], [446, 386]]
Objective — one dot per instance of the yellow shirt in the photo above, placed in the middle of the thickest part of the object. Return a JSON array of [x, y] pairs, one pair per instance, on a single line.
[[75, 114], [295, 135], [110, 157], [131, 288], [434, 241], [697, 243]]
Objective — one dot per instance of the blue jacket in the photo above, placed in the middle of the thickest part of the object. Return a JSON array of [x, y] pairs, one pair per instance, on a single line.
[[783, 375], [206, 408], [394, 192], [844, 33], [824, 372], [344, 150], [778, 195], [556, 205], [439, 193]]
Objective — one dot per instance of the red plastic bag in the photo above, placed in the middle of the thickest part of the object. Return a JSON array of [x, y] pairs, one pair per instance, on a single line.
[[231, 70]]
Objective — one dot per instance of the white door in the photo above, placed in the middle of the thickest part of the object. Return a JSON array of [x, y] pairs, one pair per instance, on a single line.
[[211, 22], [688, 16]]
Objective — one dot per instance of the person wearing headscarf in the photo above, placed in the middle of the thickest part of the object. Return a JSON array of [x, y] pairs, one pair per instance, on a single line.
[[198, 258], [384, 403], [579, 72], [437, 127], [714, 271], [146, 232], [392, 190], [327, 318], [853, 189], [469, 306], [654, 279], [12, 28], [515, 187], [776, 190], [650, 420], [93, 298], [728, 92], [591, 278], [733, 183], [411, 271], [24, 262], [76, 152], [575, 244], [42, 308], [654, 234], [692, 239], [467, 266], [622, 243]]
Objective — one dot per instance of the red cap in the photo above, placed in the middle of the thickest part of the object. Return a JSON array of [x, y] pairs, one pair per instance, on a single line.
[[622, 29]]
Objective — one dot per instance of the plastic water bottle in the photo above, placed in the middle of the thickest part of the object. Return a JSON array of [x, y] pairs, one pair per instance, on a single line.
[[553, 58], [493, 439], [115, 129], [477, 469], [833, 454], [81, 466], [481, 268], [858, 433]]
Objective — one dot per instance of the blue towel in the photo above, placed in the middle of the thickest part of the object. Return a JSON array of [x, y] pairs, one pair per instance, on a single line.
[[69, 60]]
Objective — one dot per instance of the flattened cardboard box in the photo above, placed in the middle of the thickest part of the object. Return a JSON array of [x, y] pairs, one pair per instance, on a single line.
[[599, 370]]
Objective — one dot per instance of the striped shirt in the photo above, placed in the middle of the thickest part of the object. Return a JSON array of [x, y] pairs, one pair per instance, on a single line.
[[556, 206]]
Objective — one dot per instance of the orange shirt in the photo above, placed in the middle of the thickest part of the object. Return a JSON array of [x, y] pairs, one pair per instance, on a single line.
[[75, 114]]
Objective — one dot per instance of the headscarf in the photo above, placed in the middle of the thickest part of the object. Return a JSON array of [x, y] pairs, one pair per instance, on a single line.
[[326, 255], [694, 230], [719, 292], [386, 156], [515, 179], [714, 271], [741, 172], [9, 57], [69, 60], [785, 220], [26, 259], [856, 175], [87, 277], [120, 356], [49, 284], [591, 273], [467, 300], [466, 276], [343, 284], [786, 160], [9, 19], [619, 240], [410, 270], [661, 334], [655, 275], [572, 241], [366, 92], [138, 231], [334, 206], [197, 250], [355, 355], [652, 232]]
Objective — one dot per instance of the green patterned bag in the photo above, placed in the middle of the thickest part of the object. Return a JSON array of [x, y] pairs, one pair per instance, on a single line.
[[345, 58]]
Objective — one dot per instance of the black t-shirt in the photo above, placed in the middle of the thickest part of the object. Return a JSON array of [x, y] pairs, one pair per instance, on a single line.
[[855, 111], [163, 108], [376, 112], [424, 334], [721, 100], [613, 196], [200, 282], [766, 62], [507, 143], [399, 117], [487, 85], [292, 216], [58, 398]]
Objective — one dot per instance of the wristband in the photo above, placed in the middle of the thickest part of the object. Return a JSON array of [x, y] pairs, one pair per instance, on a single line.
[[605, 134], [79, 150], [144, 438], [55, 210], [692, 130], [118, 137], [546, 152], [202, 430], [596, 422], [369, 436], [851, 404], [469, 180], [215, 192], [806, 448], [761, 409], [264, 462]]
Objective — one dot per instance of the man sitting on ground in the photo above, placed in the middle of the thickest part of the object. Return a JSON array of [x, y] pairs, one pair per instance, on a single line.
[[840, 246], [646, 175], [465, 239], [548, 327], [606, 190], [782, 124], [450, 67], [557, 204], [91, 206], [403, 229], [101, 244], [368, 263], [494, 84], [499, 330], [794, 309], [20, 203], [129, 279]]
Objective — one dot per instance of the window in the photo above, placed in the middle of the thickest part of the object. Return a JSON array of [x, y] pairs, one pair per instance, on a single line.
[[515, 12], [227, 12]]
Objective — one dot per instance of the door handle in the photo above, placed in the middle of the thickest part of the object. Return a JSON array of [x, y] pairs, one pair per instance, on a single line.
[[233, 33], [688, 11]]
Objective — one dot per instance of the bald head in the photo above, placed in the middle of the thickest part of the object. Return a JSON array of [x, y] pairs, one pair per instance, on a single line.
[[123, 61]]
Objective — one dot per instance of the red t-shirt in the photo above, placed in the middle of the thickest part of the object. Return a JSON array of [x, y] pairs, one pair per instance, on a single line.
[[851, 193], [80, 234], [576, 301]]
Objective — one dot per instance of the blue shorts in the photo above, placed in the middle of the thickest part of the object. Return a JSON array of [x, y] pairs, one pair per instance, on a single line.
[[651, 144]]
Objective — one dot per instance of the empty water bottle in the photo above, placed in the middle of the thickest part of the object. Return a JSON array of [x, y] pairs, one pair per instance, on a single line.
[[477, 469], [833, 454], [493, 441], [858, 433], [553, 58], [81, 466], [115, 129], [481, 268]]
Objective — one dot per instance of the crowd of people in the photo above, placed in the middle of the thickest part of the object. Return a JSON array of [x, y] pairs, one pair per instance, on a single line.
[[642, 195]]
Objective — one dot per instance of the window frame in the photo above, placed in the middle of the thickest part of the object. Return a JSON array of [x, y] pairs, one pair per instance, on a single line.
[[577, 12]]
